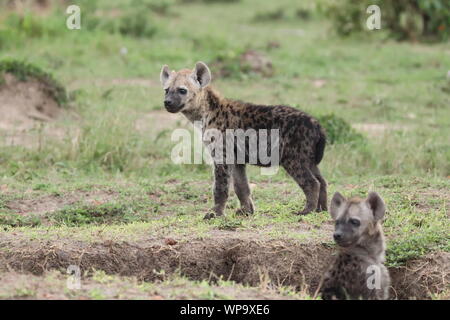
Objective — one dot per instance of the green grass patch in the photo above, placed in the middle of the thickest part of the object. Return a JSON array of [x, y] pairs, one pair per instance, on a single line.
[[416, 245], [109, 213], [9, 219]]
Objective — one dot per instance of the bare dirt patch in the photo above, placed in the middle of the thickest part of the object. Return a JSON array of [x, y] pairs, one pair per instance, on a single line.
[[378, 129], [270, 263], [50, 203]]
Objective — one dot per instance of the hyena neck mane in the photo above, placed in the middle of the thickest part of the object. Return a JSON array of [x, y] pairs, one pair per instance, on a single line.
[[370, 246], [206, 100]]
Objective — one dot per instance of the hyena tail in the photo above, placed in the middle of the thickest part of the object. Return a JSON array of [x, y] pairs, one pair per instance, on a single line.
[[320, 146]]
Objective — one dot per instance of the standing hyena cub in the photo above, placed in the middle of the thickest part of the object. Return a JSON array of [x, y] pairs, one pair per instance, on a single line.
[[301, 139], [358, 271]]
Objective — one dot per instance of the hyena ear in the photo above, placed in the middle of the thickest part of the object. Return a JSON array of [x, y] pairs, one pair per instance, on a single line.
[[376, 204], [336, 202], [202, 74], [165, 74]]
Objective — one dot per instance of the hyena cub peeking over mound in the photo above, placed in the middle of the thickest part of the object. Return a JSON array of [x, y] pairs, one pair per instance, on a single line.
[[301, 140], [358, 271]]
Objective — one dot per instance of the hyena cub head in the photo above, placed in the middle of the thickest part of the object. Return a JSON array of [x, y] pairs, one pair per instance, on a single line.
[[183, 87], [356, 220]]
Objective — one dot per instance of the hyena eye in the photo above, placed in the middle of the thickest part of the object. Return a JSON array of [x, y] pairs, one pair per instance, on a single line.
[[182, 91], [166, 90], [355, 222]]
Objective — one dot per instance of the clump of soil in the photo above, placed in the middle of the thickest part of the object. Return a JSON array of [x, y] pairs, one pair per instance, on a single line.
[[249, 62], [28, 98], [257, 62]]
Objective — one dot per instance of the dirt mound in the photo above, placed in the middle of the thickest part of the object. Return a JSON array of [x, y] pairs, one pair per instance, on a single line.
[[257, 62], [248, 62], [270, 263], [24, 106], [424, 277]]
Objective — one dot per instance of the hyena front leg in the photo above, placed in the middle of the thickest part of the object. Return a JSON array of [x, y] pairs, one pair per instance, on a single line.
[[242, 189], [308, 182], [220, 189]]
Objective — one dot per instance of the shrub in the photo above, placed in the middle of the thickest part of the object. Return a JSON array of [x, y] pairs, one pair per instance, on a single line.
[[210, 1], [135, 23], [273, 15], [32, 26], [405, 19], [16, 28], [339, 131]]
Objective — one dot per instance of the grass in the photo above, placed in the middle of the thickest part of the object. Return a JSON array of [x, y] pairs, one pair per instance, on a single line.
[[99, 285], [359, 81]]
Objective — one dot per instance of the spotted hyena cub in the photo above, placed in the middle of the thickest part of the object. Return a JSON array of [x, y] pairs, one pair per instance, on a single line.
[[300, 144], [358, 271]]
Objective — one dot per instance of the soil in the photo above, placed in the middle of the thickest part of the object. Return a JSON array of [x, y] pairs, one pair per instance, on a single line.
[[255, 262], [49, 203]]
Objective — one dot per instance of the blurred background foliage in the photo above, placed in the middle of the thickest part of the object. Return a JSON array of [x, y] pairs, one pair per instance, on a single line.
[[415, 20], [317, 56]]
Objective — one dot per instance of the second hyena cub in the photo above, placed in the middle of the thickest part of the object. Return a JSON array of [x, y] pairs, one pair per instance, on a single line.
[[358, 271], [301, 139]]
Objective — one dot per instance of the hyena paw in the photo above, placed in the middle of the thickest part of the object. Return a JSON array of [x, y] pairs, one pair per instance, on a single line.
[[209, 215], [243, 212], [303, 212]]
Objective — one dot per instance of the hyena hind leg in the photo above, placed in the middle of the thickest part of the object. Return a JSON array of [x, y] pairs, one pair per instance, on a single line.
[[322, 205], [309, 184], [242, 189]]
